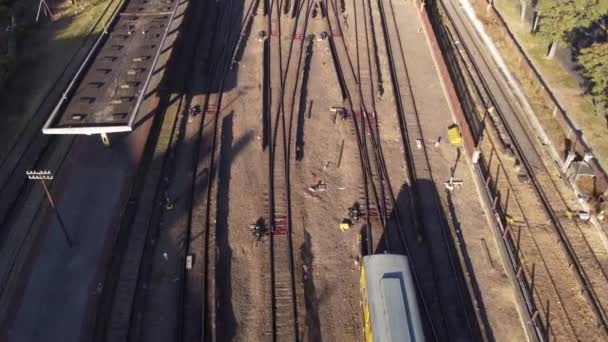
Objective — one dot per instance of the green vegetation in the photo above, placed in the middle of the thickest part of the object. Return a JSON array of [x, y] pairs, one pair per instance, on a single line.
[[594, 60], [559, 18], [582, 26], [61, 44], [17, 24], [575, 100]]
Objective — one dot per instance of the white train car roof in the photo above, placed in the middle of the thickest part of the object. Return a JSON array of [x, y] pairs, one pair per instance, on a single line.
[[392, 299]]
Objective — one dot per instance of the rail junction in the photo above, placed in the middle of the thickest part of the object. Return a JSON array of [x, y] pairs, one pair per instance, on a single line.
[[217, 100]]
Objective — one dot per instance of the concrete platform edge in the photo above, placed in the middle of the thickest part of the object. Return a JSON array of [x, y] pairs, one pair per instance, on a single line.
[[469, 147]]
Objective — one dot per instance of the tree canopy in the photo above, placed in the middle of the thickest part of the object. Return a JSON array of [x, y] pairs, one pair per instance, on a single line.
[[594, 60], [558, 18]]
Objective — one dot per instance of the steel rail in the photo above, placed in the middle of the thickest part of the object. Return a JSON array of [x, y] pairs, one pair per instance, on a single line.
[[509, 249], [221, 69], [580, 273], [278, 219], [351, 104], [411, 163], [136, 328], [366, 171], [217, 72], [47, 145], [364, 94]]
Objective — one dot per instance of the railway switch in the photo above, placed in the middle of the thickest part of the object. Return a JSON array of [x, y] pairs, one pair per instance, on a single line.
[[354, 212], [340, 111], [319, 186], [258, 230], [452, 183], [262, 36], [195, 110]]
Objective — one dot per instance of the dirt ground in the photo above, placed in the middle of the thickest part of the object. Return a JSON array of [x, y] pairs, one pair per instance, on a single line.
[[331, 283], [327, 260], [243, 309], [330, 257]]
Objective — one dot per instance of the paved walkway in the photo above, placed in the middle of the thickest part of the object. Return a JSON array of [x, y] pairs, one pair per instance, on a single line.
[[465, 213], [61, 285], [90, 193]]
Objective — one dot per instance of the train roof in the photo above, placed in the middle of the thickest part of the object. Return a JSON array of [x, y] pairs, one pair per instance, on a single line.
[[392, 299]]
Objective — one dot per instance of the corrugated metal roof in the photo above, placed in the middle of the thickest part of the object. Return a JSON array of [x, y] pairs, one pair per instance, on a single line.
[[108, 89]]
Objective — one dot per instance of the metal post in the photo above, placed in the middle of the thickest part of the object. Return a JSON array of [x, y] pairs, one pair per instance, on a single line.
[[340, 156], [105, 139], [42, 176]]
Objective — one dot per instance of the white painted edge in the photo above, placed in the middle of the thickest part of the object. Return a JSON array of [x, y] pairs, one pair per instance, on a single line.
[[87, 130]]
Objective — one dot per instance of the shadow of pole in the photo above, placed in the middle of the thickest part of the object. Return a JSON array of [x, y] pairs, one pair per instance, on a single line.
[[481, 310], [226, 322], [313, 322], [302, 104]]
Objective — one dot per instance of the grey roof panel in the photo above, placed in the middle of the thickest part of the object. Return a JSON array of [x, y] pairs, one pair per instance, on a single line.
[[392, 299]]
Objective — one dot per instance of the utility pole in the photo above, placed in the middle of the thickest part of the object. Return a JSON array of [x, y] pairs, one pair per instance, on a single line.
[[42, 176]]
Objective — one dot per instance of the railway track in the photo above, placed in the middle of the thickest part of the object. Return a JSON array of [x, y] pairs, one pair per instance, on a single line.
[[352, 94], [179, 230], [134, 314], [40, 152], [199, 285], [428, 219], [37, 153], [579, 294], [34, 152], [282, 80], [450, 314], [365, 125], [366, 65]]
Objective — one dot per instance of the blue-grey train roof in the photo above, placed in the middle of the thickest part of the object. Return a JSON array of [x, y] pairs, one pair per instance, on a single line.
[[392, 299]]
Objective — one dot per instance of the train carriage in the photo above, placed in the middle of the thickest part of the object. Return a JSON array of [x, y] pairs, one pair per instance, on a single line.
[[390, 307]]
